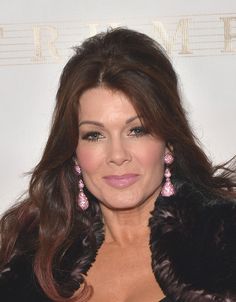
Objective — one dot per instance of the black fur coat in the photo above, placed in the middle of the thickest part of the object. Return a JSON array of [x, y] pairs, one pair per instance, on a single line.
[[193, 245]]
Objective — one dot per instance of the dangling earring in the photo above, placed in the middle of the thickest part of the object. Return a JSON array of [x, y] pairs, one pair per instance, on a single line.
[[168, 188], [82, 200]]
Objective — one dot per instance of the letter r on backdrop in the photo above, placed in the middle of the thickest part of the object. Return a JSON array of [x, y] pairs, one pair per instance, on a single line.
[[45, 37]]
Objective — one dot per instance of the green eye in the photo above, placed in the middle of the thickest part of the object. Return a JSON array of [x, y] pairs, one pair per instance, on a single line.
[[92, 136], [138, 131]]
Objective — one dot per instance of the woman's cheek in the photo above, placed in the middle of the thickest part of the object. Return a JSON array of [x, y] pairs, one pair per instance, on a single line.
[[152, 154], [89, 159]]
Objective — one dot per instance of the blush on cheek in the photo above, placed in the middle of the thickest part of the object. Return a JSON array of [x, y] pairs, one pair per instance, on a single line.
[[155, 155], [88, 159]]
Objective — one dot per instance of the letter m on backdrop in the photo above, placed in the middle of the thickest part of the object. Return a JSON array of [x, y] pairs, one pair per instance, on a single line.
[[170, 40]]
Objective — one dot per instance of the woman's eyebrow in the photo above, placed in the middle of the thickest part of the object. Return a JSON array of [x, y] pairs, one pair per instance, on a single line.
[[91, 122], [129, 120], [132, 119]]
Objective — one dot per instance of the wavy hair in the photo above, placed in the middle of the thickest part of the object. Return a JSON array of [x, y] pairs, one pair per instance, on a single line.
[[47, 225]]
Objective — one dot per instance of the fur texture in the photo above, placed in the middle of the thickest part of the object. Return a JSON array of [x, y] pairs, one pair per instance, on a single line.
[[193, 245]]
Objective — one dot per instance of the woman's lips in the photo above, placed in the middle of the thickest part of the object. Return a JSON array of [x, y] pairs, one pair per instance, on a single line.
[[121, 181]]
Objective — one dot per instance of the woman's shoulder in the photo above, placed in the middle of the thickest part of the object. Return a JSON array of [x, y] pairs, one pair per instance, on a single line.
[[18, 283], [191, 205], [203, 222], [193, 241], [206, 215]]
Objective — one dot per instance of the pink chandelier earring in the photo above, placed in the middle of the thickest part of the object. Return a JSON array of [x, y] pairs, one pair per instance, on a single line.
[[168, 188], [82, 200]]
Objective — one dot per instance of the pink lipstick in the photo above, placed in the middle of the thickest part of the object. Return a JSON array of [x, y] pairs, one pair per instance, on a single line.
[[121, 181]]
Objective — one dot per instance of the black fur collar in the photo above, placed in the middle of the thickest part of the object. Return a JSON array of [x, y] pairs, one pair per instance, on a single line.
[[193, 245]]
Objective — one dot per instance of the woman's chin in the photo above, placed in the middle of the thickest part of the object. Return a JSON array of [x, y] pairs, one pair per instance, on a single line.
[[121, 207], [125, 204]]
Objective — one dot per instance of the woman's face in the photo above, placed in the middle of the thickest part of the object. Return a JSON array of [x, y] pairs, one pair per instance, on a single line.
[[122, 165]]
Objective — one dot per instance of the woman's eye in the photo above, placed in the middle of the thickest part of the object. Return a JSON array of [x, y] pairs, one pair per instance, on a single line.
[[92, 136], [138, 131]]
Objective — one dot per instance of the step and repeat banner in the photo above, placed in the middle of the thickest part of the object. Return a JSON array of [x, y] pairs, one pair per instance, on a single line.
[[37, 38]]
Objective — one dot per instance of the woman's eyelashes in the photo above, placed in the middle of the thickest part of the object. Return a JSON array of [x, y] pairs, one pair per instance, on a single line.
[[94, 136], [138, 131]]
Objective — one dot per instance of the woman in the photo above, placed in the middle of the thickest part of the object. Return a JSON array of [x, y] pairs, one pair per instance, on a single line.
[[124, 205]]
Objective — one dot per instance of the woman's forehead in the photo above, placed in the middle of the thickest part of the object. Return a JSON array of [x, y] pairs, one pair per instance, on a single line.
[[102, 102]]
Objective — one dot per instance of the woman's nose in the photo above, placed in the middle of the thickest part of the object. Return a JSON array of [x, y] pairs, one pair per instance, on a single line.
[[118, 152]]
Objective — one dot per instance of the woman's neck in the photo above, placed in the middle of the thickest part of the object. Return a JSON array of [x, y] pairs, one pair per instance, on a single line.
[[123, 227]]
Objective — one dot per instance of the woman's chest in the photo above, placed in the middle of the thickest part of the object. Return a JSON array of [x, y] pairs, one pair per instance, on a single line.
[[123, 275]]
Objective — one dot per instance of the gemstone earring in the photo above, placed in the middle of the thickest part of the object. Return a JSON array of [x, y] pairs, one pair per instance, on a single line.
[[82, 200], [168, 188]]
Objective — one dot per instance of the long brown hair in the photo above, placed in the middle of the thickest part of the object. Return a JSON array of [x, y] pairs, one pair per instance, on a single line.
[[47, 225]]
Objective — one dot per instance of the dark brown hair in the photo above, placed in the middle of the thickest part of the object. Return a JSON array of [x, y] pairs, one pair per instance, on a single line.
[[47, 225]]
